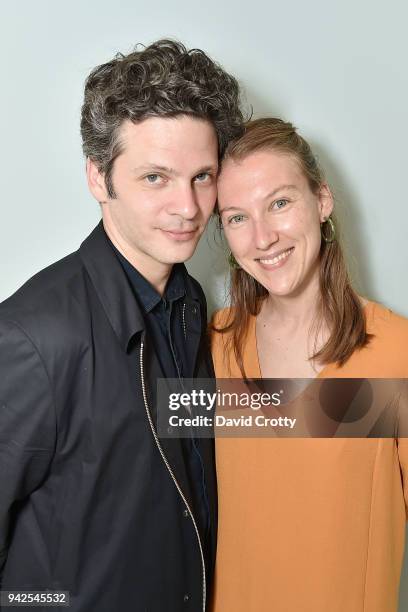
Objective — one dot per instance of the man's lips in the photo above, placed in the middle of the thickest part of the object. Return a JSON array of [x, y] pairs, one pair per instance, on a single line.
[[181, 235]]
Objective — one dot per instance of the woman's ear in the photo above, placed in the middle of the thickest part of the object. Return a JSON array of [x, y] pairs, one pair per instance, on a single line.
[[326, 202]]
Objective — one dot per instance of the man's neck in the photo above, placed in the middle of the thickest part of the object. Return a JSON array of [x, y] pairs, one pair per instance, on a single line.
[[156, 273]]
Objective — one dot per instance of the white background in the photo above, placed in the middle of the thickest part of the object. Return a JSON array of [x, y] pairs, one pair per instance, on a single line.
[[338, 70]]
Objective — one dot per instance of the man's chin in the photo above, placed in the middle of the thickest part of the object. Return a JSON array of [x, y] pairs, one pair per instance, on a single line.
[[180, 255]]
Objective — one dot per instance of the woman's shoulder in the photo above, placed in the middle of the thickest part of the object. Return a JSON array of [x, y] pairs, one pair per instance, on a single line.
[[221, 318], [383, 320], [218, 330], [387, 348], [218, 339]]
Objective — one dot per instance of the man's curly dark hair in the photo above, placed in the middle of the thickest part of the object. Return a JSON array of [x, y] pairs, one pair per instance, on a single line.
[[161, 80]]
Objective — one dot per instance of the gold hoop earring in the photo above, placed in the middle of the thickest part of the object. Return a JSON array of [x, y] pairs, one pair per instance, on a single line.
[[332, 230]]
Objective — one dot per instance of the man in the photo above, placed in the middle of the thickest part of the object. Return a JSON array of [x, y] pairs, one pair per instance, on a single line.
[[92, 501]]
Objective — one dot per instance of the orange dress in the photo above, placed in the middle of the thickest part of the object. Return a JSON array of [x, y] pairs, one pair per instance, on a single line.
[[314, 525]]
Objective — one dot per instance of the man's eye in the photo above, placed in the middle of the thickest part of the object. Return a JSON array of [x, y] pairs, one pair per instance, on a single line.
[[203, 177], [153, 178], [280, 203]]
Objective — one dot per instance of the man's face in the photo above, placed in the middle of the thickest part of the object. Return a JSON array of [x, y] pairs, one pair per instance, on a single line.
[[165, 186]]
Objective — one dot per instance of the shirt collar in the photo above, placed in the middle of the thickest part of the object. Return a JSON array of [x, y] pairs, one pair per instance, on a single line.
[[147, 295], [111, 285]]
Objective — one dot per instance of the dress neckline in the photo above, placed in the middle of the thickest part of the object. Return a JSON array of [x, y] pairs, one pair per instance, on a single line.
[[368, 309]]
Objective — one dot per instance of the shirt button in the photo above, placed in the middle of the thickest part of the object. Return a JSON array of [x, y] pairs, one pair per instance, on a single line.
[[186, 598], [185, 512]]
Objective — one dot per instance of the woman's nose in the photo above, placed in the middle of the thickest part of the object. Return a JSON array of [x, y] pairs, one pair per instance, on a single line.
[[265, 235]]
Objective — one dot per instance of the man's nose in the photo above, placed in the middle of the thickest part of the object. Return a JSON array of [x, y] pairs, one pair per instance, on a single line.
[[184, 202]]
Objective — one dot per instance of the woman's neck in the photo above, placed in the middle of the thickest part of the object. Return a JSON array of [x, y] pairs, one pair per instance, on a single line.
[[288, 333], [297, 311]]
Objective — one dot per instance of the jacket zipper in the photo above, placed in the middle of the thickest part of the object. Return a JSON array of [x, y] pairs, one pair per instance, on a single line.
[[163, 456], [184, 321]]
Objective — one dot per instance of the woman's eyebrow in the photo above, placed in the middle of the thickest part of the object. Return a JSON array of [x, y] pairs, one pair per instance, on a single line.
[[268, 195], [281, 188], [229, 208]]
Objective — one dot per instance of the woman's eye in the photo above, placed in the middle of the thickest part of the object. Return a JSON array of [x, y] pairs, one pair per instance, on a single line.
[[236, 219], [280, 203]]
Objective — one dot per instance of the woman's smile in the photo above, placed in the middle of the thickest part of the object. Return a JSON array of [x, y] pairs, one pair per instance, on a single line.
[[277, 260]]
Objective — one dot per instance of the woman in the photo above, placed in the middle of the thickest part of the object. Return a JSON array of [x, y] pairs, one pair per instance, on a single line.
[[304, 524]]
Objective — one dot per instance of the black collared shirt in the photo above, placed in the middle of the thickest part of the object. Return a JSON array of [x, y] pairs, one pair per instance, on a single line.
[[165, 323], [164, 318]]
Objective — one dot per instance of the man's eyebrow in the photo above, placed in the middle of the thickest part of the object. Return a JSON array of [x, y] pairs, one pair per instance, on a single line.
[[159, 168], [208, 168], [154, 168], [268, 195]]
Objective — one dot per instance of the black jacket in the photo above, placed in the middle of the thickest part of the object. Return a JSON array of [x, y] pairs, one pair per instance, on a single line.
[[91, 500]]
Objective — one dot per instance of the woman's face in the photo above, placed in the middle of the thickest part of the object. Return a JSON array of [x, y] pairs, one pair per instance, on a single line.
[[271, 220]]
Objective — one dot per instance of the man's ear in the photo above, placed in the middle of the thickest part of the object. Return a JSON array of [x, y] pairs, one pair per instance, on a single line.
[[96, 182], [326, 202]]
